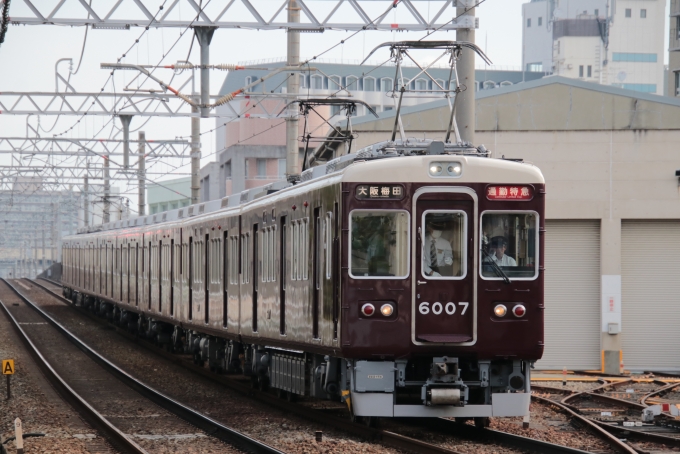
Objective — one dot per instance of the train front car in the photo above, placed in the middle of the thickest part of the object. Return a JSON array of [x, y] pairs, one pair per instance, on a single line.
[[442, 284]]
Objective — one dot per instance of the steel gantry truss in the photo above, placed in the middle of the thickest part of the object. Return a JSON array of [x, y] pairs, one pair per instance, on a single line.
[[315, 16], [50, 146]]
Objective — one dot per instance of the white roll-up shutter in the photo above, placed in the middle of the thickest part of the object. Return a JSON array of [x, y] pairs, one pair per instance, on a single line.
[[650, 294], [572, 295]]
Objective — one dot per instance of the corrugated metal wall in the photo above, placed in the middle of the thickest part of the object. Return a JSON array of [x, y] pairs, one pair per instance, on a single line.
[[650, 300], [572, 295]]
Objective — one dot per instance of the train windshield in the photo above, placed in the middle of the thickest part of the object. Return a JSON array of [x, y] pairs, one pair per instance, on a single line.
[[509, 245], [379, 244]]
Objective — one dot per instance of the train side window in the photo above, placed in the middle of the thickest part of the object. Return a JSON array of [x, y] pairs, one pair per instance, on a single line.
[[245, 258], [328, 244], [264, 255], [294, 231], [305, 239], [379, 244], [509, 245]]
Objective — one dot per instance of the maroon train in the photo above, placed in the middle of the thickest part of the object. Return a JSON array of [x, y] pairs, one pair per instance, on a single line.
[[405, 280]]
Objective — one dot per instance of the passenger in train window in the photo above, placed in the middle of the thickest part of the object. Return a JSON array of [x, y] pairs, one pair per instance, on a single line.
[[437, 251], [497, 247]]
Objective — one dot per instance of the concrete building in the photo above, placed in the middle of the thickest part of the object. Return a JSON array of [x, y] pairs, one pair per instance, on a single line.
[[612, 211], [168, 195], [254, 148], [33, 223], [674, 51], [614, 42]]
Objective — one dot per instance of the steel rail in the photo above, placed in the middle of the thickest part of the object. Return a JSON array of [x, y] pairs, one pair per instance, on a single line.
[[209, 425], [626, 432], [385, 437], [520, 442], [609, 438], [110, 432]]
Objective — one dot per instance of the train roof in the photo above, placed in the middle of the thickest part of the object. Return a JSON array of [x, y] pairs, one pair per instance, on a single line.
[[378, 165]]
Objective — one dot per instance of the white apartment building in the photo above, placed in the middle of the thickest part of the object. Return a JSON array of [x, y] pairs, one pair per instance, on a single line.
[[612, 42]]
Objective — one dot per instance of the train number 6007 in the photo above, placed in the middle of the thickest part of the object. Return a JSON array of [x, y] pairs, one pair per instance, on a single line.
[[437, 308]]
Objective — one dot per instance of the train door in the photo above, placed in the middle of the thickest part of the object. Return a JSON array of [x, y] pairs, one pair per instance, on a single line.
[[207, 257], [225, 277], [191, 277], [137, 273], [283, 257], [172, 276], [255, 275], [444, 272], [160, 274], [316, 274]]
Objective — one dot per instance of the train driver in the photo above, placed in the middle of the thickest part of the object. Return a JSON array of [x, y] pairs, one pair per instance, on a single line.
[[497, 247], [437, 251]]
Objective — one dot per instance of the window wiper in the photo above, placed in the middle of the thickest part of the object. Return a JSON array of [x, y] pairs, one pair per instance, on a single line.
[[495, 267]]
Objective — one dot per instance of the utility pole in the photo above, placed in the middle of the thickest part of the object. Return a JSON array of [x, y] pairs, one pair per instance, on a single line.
[[125, 120], [195, 155], [86, 197], [42, 231], [293, 85], [107, 190], [141, 184], [204, 36], [35, 256], [465, 106]]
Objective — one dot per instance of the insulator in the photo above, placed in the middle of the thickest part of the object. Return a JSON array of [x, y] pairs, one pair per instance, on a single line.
[[224, 99], [185, 98], [183, 66], [226, 67]]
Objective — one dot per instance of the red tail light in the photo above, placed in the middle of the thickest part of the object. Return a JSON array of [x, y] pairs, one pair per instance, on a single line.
[[368, 309], [519, 311]]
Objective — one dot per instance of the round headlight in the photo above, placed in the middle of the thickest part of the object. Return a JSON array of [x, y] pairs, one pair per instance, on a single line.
[[435, 169], [368, 309], [519, 311], [453, 169], [500, 310], [386, 310]]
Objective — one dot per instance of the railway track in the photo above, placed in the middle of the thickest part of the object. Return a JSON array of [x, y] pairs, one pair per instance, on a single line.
[[616, 407], [386, 437], [121, 407]]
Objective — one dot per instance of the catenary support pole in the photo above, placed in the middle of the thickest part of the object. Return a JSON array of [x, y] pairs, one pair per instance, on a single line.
[[204, 36], [107, 192], [86, 196], [195, 156], [141, 186], [44, 263], [465, 107], [125, 120], [293, 85]]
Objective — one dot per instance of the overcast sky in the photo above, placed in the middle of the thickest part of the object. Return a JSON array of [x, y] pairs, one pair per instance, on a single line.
[[28, 56]]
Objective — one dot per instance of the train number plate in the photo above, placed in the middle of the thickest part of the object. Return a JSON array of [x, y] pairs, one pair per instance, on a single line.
[[438, 308]]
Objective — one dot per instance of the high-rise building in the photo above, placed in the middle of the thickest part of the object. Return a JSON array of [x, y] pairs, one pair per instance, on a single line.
[[612, 42]]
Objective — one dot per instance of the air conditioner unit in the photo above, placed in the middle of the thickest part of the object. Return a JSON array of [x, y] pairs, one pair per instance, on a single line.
[[570, 66]]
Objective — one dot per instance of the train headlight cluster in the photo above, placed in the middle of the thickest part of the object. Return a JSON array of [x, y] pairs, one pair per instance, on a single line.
[[518, 310], [368, 309], [445, 169]]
